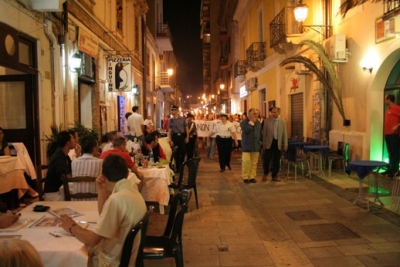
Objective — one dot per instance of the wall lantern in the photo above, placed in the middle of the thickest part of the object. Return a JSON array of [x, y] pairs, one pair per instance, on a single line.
[[170, 72], [366, 65], [301, 11], [222, 86], [75, 63]]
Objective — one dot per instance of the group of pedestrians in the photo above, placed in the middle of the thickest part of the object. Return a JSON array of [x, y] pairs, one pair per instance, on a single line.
[[265, 136]]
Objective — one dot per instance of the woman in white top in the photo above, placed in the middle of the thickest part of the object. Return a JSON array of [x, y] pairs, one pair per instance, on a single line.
[[224, 130]]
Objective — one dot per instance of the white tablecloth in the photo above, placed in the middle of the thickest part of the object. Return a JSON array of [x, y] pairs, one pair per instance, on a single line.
[[65, 250], [156, 181]]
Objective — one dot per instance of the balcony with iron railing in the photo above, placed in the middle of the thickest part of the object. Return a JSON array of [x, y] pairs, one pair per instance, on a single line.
[[164, 81], [240, 70], [164, 39], [281, 27], [391, 8], [255, 55]]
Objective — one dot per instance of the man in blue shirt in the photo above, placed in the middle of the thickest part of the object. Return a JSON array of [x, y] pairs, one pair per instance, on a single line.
[[178, 135]]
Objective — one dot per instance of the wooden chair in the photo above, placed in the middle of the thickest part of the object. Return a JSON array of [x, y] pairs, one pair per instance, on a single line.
[[79, 195], [41, 171], [130, 238]]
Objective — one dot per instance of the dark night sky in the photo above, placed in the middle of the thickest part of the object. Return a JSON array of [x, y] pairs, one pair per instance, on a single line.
[[183, 17]]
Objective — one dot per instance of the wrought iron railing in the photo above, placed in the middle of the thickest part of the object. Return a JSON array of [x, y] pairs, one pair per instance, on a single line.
[[256, 52], [283, 24], [391, 8], [239, 68]]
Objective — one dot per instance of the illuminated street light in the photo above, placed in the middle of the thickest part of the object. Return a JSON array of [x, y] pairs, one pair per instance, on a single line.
[[222, 86], [170, 72]]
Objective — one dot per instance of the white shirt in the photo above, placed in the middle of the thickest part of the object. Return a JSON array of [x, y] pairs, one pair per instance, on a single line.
[[148, 123], [224, 130], [87, 165], [107, 146], [135, 122]]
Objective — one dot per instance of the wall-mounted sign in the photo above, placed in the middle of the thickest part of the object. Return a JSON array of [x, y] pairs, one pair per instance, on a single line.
[[295, 83], [242, 91], [119, 74], [88, 44]]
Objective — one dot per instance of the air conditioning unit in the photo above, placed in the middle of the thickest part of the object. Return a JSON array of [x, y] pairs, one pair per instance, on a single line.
[[335, 46], [251, 84], [47, 5]]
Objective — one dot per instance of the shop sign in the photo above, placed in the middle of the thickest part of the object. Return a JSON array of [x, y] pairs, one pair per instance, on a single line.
[[119, 74], [88, 44]]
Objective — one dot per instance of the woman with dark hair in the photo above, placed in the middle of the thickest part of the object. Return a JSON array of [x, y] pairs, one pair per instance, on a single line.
[[4, 149]]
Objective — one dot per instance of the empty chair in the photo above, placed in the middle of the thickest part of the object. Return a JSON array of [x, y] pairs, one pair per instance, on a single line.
[[172, 163], [342, 155], [40, 179], [78, 195], [187, 177], [170, 243], [395, 198], [296, 157], [130, 238]]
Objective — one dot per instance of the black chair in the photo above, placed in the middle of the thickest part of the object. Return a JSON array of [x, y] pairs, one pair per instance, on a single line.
[[130, 238], [41, 179], [172, 163], [343, 154], [190, 168], [77, 195], [295, 157], [170, 243]]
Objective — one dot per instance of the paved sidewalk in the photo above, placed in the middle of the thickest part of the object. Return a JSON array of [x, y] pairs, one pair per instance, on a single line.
[[308, 222]]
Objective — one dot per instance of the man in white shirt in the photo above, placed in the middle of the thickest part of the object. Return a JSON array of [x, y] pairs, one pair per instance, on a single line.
[[87, 165], [111, 136], [120, 206], [135, 124], [149, 125]]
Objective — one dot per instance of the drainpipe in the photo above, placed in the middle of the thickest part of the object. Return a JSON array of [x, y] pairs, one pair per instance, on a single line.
[[49, 34]]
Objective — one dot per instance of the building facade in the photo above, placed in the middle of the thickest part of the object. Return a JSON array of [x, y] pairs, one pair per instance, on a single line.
[[119, 60]]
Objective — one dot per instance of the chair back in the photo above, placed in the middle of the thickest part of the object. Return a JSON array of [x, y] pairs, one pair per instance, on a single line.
[[172, 163], [175, 238], [346, 152], [291, 153], [130, 238], [340, 147], [41, 171], [78, 195], [190, 169], [179, 199]]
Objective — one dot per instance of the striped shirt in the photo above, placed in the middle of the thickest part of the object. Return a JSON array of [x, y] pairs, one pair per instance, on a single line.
[[87, 165]]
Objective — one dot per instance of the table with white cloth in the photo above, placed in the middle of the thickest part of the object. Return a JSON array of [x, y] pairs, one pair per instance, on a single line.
[[23, 156], [12, 175], [155, 185], [65, 250]]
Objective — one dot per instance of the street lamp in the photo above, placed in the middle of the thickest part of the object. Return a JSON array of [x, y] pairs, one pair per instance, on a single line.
[[301, 11], [222, 86], [170, 72]]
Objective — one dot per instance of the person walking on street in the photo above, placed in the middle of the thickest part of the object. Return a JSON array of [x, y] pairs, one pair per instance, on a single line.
[[274, 140], [210, 140], [251, 142], [224, 131], [191, 145], [391, 129], [135, 125], [179, 136]]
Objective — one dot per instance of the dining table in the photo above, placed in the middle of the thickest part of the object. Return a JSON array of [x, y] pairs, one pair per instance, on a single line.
[[363, 168], [12, 176], [55, 246], [155, 185], [320, 151]]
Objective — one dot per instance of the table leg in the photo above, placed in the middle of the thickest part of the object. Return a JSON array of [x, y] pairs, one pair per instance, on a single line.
[[376, 191], [161, 209], [360, 194]]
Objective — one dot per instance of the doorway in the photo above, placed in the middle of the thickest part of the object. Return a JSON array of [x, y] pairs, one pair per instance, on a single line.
[[17, 98]]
